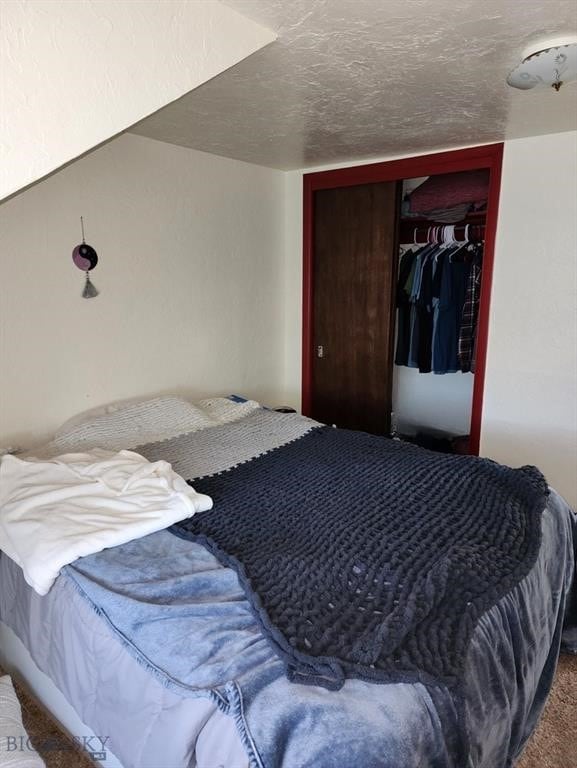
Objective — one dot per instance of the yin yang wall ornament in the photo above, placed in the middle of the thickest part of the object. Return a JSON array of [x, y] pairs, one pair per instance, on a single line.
[[85, 258]]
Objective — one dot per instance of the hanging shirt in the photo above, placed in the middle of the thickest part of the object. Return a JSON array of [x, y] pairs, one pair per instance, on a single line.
[[424, 307], [420, 298], [440, 259], [453, 286], [414, 346], [404, 308], [413, 357], [411, 276], [468, 330]]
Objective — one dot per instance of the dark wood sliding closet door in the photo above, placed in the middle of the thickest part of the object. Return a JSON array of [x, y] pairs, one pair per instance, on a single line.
[[353, 308]]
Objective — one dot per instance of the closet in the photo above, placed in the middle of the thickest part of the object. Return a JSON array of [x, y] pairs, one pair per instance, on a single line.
[[441, 238], [397, 265]]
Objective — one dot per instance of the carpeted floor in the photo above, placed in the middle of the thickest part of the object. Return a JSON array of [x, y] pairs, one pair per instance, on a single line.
[[553, 745], [55, 747]]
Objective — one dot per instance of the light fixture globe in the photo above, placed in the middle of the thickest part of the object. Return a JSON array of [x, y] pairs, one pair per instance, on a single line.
[[552, 63]]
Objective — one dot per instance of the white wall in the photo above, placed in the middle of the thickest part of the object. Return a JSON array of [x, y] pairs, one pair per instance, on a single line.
[[530, 402], [190, 279], [74, 73], [293, 284], [429, 401]]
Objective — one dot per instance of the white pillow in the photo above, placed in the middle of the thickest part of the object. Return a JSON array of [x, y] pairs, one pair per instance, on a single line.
[[101, 410], [224, 410], [128, 426]]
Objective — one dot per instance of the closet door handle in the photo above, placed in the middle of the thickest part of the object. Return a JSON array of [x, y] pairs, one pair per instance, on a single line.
[[320, 351]]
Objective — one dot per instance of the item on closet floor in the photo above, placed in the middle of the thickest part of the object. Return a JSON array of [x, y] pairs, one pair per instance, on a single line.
[[461, 445], [85, 258], [441, 442], [432, 441]]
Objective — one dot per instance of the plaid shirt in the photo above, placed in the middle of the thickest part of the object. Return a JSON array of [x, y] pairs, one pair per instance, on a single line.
[[468, 329]]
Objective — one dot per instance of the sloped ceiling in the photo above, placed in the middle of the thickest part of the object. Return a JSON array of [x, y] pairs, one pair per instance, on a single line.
[[353, 79], [75, 74]]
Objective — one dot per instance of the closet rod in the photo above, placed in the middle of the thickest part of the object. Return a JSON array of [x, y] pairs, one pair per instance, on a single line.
[[439, 233]]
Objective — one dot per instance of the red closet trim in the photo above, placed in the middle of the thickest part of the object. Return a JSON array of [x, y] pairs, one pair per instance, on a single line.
[[489, 156]]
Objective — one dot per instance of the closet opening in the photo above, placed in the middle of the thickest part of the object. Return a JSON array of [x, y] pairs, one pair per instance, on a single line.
[[397, 270], [440, 265]]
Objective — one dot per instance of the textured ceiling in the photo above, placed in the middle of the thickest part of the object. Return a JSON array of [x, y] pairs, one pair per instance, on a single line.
[[351, 79]]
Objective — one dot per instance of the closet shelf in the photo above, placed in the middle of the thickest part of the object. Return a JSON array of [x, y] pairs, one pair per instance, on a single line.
[[423, 221]]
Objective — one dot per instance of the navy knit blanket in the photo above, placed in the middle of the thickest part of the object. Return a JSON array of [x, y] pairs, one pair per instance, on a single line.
[[364, 557]]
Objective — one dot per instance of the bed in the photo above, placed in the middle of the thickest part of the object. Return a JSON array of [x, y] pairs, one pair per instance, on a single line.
[[156, 654]]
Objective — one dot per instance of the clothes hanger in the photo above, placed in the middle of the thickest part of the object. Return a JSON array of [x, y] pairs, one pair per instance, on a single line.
[[461, 244], [461, 247], [445, 238]]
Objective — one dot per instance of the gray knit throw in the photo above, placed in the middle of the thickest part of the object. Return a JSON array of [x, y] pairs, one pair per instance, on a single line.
[[364, 557]]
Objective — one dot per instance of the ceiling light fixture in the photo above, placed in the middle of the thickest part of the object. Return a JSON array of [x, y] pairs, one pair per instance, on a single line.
[[552, 63]]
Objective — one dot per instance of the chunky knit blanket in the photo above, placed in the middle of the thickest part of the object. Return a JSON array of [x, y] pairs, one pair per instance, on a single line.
[[362, 556]]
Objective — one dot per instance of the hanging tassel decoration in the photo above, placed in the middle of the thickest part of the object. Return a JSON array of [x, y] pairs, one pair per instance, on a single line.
[[85, 258], [90, 290]]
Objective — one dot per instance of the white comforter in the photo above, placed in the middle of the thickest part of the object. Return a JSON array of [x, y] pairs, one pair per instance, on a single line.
[[53, 512]]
